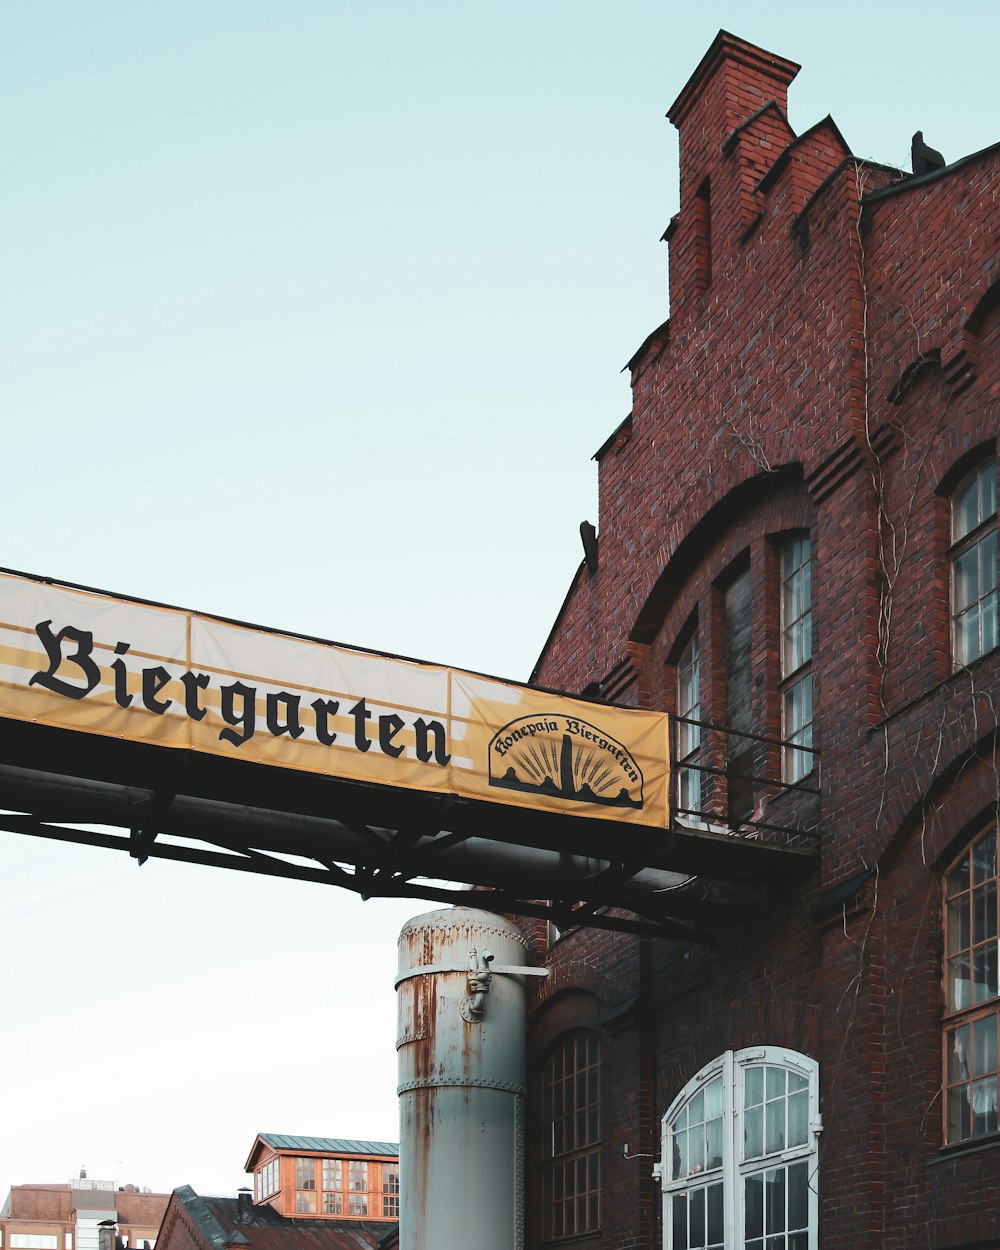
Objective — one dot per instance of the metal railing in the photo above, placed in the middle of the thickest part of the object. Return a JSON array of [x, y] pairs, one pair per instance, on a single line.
[[736, 782]]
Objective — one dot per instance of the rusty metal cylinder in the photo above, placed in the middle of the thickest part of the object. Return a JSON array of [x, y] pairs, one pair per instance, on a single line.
[[461, 1048]]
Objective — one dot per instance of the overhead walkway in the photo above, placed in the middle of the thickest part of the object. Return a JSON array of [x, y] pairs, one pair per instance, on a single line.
[[681, 881], [167, 733]]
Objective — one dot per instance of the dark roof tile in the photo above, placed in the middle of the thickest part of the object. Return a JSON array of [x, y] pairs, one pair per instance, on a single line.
[[218, 1220]]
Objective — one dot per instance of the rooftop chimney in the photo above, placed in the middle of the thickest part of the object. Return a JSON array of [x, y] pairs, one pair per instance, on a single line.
[[244, 1205], [741, 78], [739, 93]]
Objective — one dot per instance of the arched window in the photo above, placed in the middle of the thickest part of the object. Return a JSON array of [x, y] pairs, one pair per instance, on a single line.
[[571, 1128], [739, 1162], [972, 992], [973, 559]]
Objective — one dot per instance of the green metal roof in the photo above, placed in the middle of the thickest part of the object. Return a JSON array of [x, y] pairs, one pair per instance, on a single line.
[[329, 1145]]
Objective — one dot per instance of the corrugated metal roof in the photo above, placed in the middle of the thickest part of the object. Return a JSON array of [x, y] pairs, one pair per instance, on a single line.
[[329, 1145], [267, 1230]]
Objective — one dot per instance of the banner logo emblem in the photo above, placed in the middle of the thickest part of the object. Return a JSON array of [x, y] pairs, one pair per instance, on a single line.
[[566, 758]]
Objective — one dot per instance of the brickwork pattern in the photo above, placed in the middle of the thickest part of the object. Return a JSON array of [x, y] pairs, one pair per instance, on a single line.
[[838, 374]]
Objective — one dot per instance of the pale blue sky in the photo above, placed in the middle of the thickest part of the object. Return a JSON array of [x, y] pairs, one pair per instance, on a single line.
[[313, 315]]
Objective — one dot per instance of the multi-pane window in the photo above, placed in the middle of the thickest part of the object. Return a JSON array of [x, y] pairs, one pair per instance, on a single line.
[[973, 557], [689, 735], [390, 1191], [333, 1187], [696, 1212], [571, 1179], [267, 1179], [357, 1198], [972, 991], [796, 658], [305, 1186], [737, 636], [738, 1168]]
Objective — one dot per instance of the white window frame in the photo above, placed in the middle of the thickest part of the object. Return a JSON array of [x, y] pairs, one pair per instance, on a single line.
[[732, 1067], [267, 1179]]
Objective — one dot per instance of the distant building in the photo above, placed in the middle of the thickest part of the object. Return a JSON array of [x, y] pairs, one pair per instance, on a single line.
[[83, 1214], [195, 1223], [326, 1177]]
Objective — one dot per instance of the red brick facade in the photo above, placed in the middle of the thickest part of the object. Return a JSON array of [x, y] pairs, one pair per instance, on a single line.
[[831, 367], [49, 1215]]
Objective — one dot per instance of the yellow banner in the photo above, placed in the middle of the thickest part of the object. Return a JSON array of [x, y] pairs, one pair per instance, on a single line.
[[83, 660]]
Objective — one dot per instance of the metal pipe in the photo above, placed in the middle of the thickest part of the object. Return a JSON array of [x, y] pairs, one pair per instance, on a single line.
[[477, 861]]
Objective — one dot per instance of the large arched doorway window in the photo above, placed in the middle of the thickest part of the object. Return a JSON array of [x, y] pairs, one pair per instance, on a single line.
[[739, 1162]]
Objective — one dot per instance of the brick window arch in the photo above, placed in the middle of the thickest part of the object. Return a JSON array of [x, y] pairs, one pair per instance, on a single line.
[[739, 1155], [972, 992], [760, 626], [571, 1135]]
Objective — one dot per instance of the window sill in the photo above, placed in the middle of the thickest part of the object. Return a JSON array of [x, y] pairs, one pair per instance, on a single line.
[[959, 1150], [947, 682], [573, 1239]]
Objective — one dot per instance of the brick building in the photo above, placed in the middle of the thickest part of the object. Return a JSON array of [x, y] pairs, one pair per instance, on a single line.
[[797, 556], [83, 1214]]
